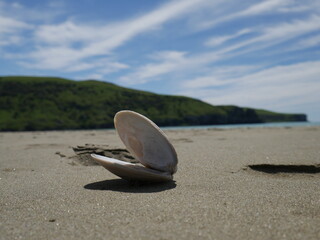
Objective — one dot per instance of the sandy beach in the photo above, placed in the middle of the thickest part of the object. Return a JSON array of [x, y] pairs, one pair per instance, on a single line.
[[46, 192]]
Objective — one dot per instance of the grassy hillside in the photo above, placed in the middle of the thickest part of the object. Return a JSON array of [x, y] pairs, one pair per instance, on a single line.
[[43, 103], [268, 116]]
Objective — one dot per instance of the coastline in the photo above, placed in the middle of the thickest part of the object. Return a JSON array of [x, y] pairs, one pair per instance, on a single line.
[[247, 125], [47, 194]]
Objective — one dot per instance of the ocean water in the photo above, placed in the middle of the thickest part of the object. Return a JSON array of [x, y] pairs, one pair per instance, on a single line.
[[250, 125]]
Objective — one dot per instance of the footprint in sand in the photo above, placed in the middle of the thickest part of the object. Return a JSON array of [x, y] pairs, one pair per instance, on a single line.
[[83, 154]]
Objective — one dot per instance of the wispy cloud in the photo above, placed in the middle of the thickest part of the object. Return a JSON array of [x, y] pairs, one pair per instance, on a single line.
[[20, 12], [308, 42], [104, 66], [8, 25], [220, 76], [63, 46], [261, 8], [167, 61], [215, 41], [264, 7], [275, 88], [69, 43], [273, 35], [10, 30], [268, 37]]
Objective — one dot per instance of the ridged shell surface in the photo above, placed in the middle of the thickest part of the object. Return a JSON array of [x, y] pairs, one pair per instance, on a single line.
[[131, 171], [146, 141]]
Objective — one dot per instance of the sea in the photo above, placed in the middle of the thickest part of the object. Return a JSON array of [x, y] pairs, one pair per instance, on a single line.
[[250, 125]]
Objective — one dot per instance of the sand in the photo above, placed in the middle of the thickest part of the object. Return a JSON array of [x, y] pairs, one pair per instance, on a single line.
[[46, 193]]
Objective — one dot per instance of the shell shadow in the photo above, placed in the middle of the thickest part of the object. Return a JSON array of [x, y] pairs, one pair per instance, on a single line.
[[121, 185]]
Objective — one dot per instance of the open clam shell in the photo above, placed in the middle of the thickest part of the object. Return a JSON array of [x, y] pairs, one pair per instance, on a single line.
[[150, 146], [130, 171]]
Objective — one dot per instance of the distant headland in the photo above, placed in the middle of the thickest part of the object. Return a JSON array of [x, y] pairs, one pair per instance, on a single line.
[[48, 103]]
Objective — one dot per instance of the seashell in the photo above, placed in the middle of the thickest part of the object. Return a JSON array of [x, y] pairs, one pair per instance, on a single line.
[[150, 146]]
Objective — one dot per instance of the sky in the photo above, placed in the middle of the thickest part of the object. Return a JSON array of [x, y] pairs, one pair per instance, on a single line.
[[262, 54]]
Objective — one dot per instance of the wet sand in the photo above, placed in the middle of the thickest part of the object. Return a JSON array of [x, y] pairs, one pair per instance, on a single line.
[[261, 183]]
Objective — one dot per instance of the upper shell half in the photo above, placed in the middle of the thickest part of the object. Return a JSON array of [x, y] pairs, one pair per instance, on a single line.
[[146, 141]]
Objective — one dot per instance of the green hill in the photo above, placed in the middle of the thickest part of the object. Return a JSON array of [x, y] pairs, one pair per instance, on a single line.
[[45, 103]]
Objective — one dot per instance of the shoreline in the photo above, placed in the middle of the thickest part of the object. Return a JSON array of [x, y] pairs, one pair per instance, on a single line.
[[191, 127]]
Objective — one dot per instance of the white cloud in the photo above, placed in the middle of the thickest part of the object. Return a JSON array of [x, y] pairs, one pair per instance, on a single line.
[[220, 76], [56, 41], [257, 9], [279, 88], [197, 63], [199, 82], [263, 7], [62, 59], [62, 46], [292, 29], [9, 25], [276, 34], [67, 33], [10, 30], [169, 61], [20, 12], [102, 65], [169, 55], [301, 6], [215, 41], [172, 62], [94, 76], [309, 42]]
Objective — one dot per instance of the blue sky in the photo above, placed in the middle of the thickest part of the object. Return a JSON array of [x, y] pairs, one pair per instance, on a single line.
[[261, 54]]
